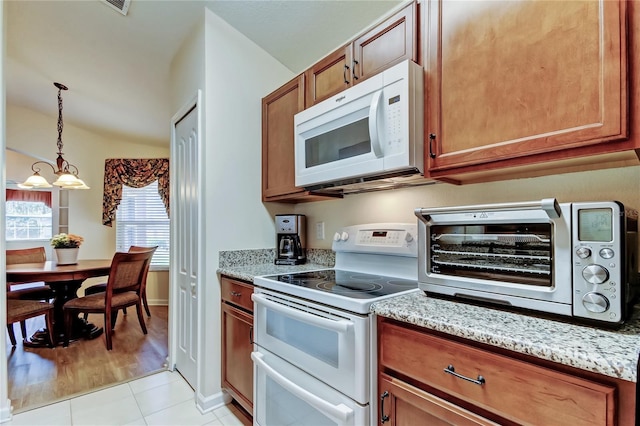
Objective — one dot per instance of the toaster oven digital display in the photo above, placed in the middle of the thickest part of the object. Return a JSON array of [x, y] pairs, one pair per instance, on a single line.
[[595, 225]]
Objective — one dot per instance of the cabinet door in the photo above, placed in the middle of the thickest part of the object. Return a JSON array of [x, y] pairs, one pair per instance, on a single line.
[[389, 43], [237, 367], [403, 404], [278, 109], [512, 79], [329, 76]]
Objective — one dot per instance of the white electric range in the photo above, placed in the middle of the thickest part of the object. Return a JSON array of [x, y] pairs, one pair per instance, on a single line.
[[314, 353]]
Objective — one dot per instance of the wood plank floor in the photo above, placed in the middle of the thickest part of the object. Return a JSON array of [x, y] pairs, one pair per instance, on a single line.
[[41, 376]]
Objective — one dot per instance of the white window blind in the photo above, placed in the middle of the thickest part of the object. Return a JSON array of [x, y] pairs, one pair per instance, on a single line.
[[141, 220]]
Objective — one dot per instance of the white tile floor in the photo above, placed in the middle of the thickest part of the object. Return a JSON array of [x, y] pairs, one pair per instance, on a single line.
[[159, 399]]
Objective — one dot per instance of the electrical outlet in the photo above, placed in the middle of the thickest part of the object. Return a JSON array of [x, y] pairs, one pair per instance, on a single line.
[[319, 230]]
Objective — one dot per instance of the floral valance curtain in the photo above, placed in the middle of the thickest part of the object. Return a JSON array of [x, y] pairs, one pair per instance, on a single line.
[[29, 196], [135, 173]]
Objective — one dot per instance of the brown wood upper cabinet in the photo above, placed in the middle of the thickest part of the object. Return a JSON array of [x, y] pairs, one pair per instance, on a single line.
[[516, 80], [278, 109], [391, 42]]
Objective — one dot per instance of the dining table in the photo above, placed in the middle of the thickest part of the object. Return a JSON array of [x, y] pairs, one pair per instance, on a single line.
[[64, 280]]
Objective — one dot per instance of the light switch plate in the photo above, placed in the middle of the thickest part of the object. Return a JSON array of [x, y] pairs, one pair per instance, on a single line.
[[319, 230]]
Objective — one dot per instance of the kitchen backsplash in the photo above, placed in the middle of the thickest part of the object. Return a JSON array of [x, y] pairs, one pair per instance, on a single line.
[[260, 256]]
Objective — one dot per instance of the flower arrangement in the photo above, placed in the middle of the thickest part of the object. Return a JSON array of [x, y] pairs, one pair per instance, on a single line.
[[66, 241]]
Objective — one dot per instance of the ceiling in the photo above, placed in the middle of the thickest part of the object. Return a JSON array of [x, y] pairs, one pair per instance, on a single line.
[[117, 67]]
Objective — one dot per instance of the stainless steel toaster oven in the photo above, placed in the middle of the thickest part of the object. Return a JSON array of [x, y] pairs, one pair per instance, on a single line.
[[573, 259]]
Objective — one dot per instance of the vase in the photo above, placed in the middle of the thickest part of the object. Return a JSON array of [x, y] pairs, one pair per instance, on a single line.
[[67, 256]]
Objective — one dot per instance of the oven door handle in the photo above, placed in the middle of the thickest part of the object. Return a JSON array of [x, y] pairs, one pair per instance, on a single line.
[[339, 412], [340, 326]]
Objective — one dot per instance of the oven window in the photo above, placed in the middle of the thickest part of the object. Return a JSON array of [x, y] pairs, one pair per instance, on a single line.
[[346, 141], [519, 253], [317, 342]]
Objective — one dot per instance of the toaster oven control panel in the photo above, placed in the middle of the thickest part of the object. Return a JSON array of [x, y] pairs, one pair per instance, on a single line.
[[600, 256]]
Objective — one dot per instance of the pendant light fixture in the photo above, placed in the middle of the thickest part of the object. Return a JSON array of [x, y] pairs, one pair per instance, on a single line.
[[67, 173]]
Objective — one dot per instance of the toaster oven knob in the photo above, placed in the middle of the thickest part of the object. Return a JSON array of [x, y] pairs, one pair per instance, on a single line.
[[606, 253], [595, 302], [583, 252], [595, 274]]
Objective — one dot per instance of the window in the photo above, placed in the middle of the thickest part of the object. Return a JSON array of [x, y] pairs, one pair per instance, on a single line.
[[28, 218], [141, 220]]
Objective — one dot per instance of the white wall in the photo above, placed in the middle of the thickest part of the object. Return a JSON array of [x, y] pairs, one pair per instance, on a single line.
[[622, 184], [234, 77]]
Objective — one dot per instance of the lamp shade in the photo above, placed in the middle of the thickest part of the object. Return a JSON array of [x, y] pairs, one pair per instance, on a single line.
[[35, 181], [81, 186], [68, 180]]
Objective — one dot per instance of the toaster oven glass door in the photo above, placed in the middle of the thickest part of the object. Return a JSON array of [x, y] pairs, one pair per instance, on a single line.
[[518, 253]]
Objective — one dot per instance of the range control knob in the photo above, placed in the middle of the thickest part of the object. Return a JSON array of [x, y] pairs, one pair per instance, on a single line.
[[583, 252], [336, 236], [595, 302], [595, 274], [606, 253], [408, 238], [344, 236]]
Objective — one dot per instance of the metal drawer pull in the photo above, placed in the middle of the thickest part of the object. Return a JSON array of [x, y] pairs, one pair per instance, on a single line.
[[236, 293], [450, 370], [383, 417]]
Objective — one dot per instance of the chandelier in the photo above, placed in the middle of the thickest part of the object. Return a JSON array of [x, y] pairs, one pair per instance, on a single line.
[[67, 173]]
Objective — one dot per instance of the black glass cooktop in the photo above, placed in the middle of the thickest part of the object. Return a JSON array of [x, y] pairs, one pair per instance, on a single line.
[[346, 283]]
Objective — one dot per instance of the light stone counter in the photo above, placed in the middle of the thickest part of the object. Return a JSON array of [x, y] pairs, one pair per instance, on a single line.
[[247, 264], [609, 352]]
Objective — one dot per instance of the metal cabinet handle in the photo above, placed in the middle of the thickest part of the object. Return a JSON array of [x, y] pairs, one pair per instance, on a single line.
[[383, 418], [432, 137], [353, 69], [251, 335], [344, 73], [450, 370], [236, 293]]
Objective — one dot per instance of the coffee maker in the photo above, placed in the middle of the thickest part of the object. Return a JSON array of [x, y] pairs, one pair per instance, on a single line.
[[290, 240]]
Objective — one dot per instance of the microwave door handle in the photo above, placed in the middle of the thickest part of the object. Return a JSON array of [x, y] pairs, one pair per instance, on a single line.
[[339, 326], [374, 134], [339, 412]]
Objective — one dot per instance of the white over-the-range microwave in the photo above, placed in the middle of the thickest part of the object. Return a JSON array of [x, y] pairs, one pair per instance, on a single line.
[[370, 131]]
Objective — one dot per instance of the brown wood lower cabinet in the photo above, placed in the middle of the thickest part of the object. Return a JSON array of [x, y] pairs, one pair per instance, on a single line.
[[237, 345], [425, 375]]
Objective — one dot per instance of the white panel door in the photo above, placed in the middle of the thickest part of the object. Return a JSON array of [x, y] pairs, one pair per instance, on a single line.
[[186, 243]]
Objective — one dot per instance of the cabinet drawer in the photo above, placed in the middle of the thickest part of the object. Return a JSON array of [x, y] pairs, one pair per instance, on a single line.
[[237, 293], [513, 389]]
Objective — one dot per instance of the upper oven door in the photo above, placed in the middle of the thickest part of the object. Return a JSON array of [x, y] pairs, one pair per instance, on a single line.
[[516, 253], [331, 345]]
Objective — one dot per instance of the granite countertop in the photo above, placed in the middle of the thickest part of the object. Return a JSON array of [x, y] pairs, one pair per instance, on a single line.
[[609, 352], [247, 264]]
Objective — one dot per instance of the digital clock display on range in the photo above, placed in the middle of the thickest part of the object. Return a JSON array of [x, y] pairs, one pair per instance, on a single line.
[[595, 225]]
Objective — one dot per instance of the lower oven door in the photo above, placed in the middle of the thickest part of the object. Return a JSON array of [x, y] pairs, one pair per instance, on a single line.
[[329, 344], [285, 395]]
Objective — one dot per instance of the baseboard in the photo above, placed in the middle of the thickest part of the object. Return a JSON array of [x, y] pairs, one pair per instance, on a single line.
[[210, 403], [5, 411], [158, 302]]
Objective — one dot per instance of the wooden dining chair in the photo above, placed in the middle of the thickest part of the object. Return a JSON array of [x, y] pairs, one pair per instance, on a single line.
[[36, 291], [21, 310], [124, 288], [99, 288]]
